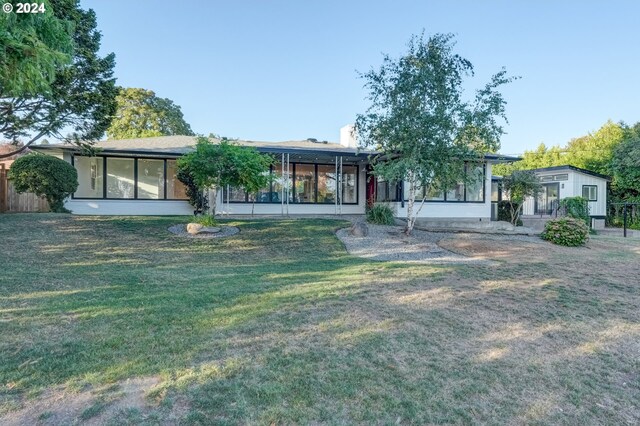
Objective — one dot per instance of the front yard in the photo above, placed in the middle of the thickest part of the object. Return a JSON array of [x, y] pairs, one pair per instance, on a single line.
[[115, 321]]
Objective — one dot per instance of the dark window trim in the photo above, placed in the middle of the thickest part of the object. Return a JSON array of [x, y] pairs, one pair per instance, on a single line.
[[293, 175], [135, 178], [590, 186], [464, 201]]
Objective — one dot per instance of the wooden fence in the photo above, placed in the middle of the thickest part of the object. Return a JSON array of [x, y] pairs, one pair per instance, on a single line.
[[12, 202]]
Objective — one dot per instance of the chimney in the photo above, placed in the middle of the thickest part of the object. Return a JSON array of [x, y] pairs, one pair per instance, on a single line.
[[348, 137]]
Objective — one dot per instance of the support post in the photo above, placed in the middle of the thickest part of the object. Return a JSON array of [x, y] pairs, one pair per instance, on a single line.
[[624, 220], [339, 183], [282, 190], [288, 183]]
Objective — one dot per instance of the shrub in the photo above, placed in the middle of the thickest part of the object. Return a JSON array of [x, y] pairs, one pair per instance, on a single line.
[[504, 211], [576, 207], [380, 214], [206, 220], [45, 176], [566, 231], [197, 198]]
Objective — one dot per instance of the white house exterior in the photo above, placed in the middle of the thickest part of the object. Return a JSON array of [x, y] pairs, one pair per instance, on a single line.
[[138, 177], [567, 181]]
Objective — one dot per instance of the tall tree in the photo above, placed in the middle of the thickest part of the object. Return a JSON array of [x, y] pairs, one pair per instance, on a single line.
[[419, 122], [141, 114], [81, 97], [32, 47]]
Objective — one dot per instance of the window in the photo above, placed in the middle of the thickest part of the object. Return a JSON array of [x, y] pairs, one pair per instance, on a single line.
[[327, 184], [349, 184], [90, 177], [120, 177], [175, 189], [150, 179], [305, 183], [264, 195], [590, 192], [475, 186]]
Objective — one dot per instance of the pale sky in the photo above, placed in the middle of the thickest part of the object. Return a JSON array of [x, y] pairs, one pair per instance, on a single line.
[[283, 70]]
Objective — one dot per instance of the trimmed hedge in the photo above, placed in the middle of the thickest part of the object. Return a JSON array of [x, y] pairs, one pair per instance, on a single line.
[[46, 176], [566, 231], [380, 214]]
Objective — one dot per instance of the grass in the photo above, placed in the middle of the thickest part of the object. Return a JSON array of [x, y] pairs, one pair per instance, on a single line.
[[278, 324]]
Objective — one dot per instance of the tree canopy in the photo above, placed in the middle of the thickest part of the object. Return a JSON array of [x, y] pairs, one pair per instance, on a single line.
[[140, 114], [32, 47], [419, 122], [75, 94]]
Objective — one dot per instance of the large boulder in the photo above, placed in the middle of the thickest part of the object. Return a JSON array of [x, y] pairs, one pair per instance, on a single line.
[[359, 229], [196, 228]]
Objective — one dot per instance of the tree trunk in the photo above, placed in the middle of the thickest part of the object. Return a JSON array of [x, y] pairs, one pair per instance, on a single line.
[[214, 200], [411, 219], [253, 206]]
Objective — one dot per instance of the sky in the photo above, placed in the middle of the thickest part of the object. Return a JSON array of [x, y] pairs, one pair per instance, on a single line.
[[286, 70]]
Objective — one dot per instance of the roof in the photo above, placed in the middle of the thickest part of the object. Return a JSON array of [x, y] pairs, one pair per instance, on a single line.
[[179, 145], [571, 168]]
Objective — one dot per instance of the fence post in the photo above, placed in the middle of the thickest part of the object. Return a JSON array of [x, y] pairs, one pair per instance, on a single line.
[[3, 189], [624, 220]]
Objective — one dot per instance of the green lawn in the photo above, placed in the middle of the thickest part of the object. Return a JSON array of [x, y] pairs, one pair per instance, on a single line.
[[278, 324]]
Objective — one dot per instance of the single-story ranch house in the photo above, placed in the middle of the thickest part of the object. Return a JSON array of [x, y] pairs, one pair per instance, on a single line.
[[138, 177], [567, 181]]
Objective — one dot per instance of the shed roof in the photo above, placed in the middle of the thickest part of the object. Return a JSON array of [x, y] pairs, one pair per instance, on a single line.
[[571, 168]]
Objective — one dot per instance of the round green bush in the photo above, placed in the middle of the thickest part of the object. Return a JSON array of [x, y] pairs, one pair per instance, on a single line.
[[45, 176], [566, 231]]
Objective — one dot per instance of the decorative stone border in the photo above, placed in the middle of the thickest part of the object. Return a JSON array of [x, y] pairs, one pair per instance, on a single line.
[[181, 231]]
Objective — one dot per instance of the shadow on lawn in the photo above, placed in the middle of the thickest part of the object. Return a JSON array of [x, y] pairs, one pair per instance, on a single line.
[[278, 324]]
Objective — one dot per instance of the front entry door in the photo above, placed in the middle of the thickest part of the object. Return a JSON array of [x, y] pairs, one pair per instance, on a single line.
[[548, 200]]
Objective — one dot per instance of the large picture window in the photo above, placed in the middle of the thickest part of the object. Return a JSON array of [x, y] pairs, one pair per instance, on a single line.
[[307, 183], [349, 184], [120, 178], [327, 184], [150, 179], [90, 177], [471, 192], [175, 189], [127, 178]]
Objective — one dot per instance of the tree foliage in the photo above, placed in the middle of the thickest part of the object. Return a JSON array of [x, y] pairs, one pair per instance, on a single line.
[[517, 187], [419, 122], [625, 166], [45, 176], [81, 95], [140, 114], [215, 165], [32, 47], [591, 152]]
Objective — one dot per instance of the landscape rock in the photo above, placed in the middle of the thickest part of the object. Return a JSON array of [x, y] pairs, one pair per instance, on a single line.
[[196, 228], [359, 229]]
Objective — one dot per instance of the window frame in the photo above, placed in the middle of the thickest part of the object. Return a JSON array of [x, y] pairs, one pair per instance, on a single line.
[[135, 178], [292, 200], [589, 198], [464, 200]]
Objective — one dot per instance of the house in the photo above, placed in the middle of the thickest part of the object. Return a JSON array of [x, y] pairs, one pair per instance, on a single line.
[[138, 177], [567, 181]]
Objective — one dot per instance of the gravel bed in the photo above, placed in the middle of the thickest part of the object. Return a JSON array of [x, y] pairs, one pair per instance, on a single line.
[[388, 243], [181, 231]]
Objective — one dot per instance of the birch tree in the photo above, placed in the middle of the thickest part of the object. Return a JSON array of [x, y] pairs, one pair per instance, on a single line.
[[419, 123]]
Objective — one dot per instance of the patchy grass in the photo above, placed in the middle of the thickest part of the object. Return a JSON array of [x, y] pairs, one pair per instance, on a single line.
[[116, 320]]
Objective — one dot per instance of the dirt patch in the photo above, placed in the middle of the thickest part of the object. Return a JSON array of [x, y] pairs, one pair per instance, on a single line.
[[91, 406]]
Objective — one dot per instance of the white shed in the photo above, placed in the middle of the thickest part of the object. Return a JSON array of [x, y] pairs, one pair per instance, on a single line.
[[567, 181]]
